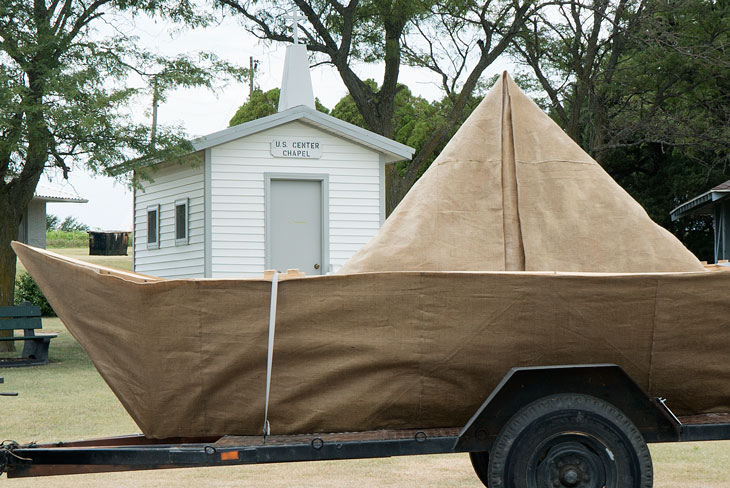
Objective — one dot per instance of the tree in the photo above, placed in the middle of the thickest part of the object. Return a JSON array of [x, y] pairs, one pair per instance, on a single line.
[[642, 85], [574, 49], [70, 224], [671, 140], [458, 41], [261, 104], [62, 91], [373, 31], [51, 222], [415, 119]]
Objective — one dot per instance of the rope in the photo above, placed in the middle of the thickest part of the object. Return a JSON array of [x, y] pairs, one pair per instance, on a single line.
[[270, 357]]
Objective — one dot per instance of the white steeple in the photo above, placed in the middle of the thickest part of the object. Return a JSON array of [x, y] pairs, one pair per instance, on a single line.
[[296, 84]]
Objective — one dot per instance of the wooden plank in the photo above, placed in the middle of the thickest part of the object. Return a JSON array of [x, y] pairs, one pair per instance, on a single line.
[[28, 337], [21, 323], [705, 418], [20, 311], [298, 439]]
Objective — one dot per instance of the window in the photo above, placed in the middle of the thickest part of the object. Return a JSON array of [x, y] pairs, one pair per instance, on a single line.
[[181, 222], [153, 227]]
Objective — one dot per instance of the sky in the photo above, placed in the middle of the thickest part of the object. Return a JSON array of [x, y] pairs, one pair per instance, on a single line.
[[200, 111]]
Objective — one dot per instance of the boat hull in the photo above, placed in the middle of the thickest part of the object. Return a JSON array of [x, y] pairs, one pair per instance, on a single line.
[[359, 352]]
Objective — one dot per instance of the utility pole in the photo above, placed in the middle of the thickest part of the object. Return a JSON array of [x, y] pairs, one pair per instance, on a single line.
[[253, 65], [155, 101]]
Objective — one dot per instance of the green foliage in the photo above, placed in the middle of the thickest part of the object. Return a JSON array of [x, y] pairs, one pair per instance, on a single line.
[[319, 107], [412, 115], [69, 233], [65, 91], [59, 238], [649, 97], [51, 222], [70, 224], [671, 120], [415, 119], [74, 109], [261, 104], [347, 110], [26, 290]]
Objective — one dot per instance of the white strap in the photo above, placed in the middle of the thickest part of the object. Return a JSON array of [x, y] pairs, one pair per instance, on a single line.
[[270, 358]]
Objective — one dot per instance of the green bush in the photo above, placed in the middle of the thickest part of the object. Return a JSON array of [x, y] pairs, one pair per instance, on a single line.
[[26, 290], [59, 238]]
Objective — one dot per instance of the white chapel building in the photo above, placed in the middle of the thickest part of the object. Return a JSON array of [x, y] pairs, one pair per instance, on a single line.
[[296, 189]]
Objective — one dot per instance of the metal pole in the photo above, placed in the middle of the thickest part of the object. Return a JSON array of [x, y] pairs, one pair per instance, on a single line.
[[250, 76], [153, 133]]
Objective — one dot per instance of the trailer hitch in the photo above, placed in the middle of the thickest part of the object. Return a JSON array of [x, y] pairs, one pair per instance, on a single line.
[[6, 455]]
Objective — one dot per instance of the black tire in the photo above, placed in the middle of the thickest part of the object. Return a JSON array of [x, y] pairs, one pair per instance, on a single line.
[[480, 463], [569, 441]]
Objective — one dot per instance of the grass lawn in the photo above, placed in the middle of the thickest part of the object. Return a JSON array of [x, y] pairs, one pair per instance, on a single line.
[[68, 400]]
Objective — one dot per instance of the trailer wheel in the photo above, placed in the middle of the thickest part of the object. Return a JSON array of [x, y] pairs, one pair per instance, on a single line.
[[569, 441], [480, 463]]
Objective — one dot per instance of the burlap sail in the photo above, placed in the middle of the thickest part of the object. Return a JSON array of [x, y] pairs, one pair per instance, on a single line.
[[513, 192]]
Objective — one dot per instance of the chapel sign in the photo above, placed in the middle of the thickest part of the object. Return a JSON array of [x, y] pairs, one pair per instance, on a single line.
[[296, 147]]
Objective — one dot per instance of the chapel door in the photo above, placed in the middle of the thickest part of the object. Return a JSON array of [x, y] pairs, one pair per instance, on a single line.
[[295, 230]]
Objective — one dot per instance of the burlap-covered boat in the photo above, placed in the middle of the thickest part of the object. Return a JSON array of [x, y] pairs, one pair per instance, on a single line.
[[514, 249], [380, 350]]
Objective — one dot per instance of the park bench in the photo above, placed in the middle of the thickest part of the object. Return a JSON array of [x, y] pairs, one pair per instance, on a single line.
[[25, 318]]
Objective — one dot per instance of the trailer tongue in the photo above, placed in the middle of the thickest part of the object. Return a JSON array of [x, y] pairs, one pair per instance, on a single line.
[[562, 426]]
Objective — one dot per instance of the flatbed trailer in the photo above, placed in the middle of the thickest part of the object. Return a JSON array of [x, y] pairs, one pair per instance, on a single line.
[[562, 426]]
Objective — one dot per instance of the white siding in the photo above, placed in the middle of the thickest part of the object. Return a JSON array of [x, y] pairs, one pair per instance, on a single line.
[[36, 215], [237, 196], [171, 182]]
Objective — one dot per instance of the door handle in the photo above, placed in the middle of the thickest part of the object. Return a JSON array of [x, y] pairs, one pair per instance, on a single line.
[[316, 266]]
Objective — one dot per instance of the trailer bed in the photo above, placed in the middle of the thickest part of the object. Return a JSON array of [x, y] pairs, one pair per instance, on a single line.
[[128, 453]]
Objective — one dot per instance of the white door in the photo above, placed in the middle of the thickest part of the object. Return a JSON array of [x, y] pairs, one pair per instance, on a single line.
[[295, 219]]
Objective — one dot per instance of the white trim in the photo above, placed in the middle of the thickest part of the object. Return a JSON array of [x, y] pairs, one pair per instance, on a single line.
[[382, 188], [693, 205], [393, 151], [182, 241], [134, 223], [156, 243]]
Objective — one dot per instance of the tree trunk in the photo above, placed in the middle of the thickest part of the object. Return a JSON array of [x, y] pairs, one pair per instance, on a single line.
[[394, 192], [8, 232]]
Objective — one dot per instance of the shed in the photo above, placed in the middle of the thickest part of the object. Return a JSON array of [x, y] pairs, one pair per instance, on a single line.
[[715, 202], [32, 229], [296, 189]]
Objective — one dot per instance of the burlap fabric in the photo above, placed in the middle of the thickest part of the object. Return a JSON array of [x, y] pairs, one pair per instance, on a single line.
[[511, 191], [379, 350]]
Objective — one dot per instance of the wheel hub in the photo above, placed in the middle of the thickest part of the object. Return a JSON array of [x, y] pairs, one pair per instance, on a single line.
[[570, 476], [571, 465]]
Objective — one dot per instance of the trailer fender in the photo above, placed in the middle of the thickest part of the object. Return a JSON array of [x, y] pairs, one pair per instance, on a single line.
[[608, 382]]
